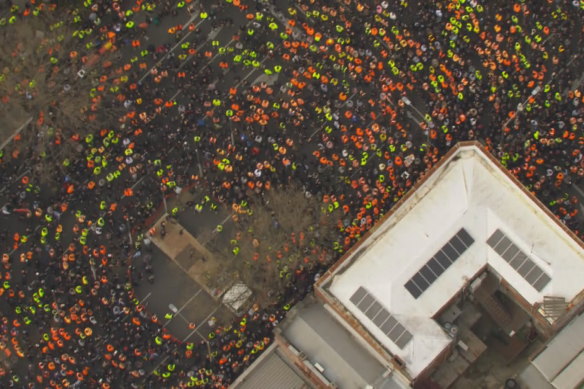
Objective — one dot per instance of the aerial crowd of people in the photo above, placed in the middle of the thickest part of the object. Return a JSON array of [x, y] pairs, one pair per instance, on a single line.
[[353, 101]]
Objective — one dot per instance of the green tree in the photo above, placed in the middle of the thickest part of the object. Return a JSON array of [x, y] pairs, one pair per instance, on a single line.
[[49, 75], [276, 234]]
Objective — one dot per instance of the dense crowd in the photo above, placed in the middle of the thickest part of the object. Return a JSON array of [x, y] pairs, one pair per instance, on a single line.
[[357, 100]]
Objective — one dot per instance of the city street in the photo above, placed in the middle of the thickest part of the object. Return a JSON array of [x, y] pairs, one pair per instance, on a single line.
[[173, 286], [144, 140]]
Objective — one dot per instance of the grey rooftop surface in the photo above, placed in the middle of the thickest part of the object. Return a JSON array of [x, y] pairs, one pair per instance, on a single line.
[[323, 340], [559, 365], [269, 371]]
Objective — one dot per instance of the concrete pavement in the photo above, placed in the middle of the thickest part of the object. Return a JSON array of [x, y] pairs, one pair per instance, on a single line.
[[173, 286]]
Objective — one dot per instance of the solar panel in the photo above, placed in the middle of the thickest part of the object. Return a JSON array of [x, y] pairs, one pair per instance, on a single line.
[[404, 339], [502, 245], [441, 261], [380, 317], [526, 267], [518, 260], [395, 332], [510, 253], [435, 266], [373, 310], [450, 252], [420, 281], [428, 274], [541, 282], [413, 289], [465, 237], [388, 325], [458, 245], [533, 275], [495, 238], [366, 302], [358, 295]]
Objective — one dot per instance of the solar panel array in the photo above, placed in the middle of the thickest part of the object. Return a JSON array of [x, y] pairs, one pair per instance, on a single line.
[[438, 264], [518, 260], [384, 320]]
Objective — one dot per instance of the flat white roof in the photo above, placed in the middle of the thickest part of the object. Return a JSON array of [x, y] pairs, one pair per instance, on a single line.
[[468, 190]]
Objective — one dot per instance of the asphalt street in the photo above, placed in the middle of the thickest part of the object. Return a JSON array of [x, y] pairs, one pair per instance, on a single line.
[[171, 285], [193, 313], [221, 29]]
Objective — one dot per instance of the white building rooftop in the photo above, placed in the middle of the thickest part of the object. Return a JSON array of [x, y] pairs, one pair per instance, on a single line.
[[405, 271]]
